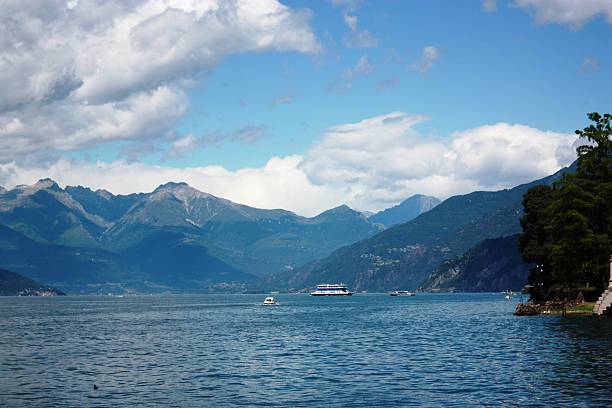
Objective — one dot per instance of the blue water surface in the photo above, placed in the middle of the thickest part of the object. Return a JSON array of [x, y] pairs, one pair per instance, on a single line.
[[363, 350]]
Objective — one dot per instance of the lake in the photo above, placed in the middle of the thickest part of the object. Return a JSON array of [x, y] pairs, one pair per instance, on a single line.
[[363, 350]]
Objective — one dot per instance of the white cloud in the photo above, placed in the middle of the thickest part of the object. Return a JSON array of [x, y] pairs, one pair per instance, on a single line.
[[371, 165], [344, 83], [573, 13], [278, 184], [505, 155], [429, 55], [81, 73], [351, 22], [358, 38], [37, 131], [381, 160], [182, 146]]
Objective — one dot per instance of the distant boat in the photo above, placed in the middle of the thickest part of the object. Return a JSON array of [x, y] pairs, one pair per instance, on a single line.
[[331, 289], [508, 294], [269, 301], [401, 293]]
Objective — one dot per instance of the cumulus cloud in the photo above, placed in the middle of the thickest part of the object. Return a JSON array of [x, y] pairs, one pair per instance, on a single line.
[[75, 74], [36, 131], [571, 13], [369, 165], [504, 154], [381, 160], [278, 184], [429, 55]]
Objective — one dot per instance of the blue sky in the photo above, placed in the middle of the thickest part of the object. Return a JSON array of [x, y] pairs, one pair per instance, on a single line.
[[469, 79], [498, 66]]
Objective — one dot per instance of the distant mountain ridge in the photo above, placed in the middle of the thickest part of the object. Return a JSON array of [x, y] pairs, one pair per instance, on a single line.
[[403, 256], [175, 238], [405, 211]]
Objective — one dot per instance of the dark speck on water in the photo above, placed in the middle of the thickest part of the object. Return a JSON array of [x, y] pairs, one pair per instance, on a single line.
[[366, 350]]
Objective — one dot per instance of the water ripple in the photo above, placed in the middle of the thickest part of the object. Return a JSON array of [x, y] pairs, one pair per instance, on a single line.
[[227, 350]]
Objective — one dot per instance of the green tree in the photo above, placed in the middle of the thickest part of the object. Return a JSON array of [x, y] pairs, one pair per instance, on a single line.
[[534, 241], [567, 228], [572, 242], [594, 178]]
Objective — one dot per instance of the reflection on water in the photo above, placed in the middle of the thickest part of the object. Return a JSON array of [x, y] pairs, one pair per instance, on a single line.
[[444, 349]]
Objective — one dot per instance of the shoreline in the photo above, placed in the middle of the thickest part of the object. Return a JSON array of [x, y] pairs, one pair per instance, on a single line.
[[554, 309]]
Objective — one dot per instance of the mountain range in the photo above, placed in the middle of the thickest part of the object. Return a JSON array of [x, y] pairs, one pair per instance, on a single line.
[[179, 239], [404, 256], [175, 238]]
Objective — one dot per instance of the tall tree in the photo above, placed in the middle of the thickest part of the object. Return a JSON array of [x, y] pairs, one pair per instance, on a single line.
[[567, 229], [594, 177], [534, 241]]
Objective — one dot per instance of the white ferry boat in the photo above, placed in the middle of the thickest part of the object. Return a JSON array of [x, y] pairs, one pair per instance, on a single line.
[[331, 289], [401, 293]]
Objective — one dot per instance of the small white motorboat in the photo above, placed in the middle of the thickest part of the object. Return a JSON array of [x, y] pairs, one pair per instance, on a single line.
[[269, 301], [401, 293], [508, 295]]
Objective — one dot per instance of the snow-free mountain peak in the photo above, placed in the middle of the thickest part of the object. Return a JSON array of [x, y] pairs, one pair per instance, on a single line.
[[175, 236], [405, 211]]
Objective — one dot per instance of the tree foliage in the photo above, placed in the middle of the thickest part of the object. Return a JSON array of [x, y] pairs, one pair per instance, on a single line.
[[534, 241], [567, 228]]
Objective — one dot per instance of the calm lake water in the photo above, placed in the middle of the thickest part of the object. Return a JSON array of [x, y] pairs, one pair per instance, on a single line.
[[364, 350]]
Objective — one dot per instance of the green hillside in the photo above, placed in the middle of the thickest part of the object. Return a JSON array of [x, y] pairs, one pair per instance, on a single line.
[[492, 265], [403, 256], [13, 284]]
